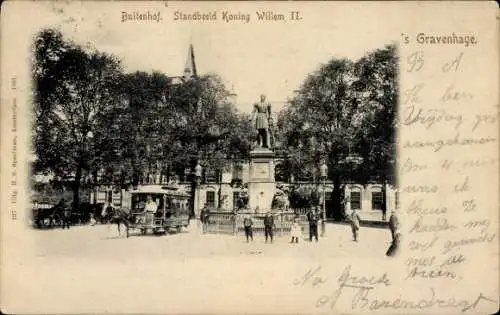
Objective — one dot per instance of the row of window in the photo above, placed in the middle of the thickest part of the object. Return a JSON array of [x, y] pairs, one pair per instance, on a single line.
[[377, 200], [210, 199], [209, 175]]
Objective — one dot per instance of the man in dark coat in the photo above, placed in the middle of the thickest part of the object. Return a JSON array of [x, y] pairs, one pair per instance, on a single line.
[[394, 226], [247, 224], [66, 214], [313, 218], [268, 226], [394, 248], [204, 218]]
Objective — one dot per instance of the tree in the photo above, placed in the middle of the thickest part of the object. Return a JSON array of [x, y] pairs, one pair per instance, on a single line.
[[214, 133], [74, 91], [377, 74], [146, 124], [49, 47], [175, 126], [343, 110], [321, 120]]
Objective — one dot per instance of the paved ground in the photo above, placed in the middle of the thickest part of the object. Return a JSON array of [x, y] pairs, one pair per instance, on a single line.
[[92, 269], [103, 241]]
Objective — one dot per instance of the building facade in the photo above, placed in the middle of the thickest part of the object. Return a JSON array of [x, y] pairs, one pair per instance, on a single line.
[[225, 192]]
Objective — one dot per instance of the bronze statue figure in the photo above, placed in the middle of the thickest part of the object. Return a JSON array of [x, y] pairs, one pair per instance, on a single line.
[[261, 115]]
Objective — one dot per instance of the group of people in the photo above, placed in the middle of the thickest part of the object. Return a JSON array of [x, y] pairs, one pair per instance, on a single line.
[[296, 230], [394, 227], [268, 227], [313, 218]]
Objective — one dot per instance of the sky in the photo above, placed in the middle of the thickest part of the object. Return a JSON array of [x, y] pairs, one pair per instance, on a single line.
[[254, 58]]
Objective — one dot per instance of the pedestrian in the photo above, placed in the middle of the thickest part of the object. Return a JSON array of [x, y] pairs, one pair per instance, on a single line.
[[268, 226], [104, 211], [92, 219], [394, 248], [247, 224], [395, 227], [296, 231], [312, 217], [66, 213], [393, 224], [354, 218], [150, 210], [204, 218]]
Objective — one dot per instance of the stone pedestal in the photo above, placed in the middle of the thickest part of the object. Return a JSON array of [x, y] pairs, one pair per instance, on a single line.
[[261, 185]]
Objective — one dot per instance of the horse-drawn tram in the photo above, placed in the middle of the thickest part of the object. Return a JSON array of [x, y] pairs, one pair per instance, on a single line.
[[158, 210]]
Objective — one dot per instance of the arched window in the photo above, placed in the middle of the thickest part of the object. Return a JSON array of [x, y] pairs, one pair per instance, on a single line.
[[377, 198], [355, 198]]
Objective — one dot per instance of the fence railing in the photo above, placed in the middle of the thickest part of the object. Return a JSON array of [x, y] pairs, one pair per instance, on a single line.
[[221, 222], [232, 223]]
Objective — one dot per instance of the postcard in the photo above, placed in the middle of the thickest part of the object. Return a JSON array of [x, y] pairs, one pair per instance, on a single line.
[[267, 157]]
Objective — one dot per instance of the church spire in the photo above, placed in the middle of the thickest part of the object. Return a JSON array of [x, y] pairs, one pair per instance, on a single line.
[[190, 67]]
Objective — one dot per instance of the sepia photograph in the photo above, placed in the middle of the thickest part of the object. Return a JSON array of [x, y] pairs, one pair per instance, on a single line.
[[174, 155], [249, 157]]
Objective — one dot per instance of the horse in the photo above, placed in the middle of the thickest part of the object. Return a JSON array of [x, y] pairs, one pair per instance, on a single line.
[[103, 212], [119, 217]]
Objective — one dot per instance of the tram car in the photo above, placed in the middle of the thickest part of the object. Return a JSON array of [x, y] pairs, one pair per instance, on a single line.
[[172, 210]]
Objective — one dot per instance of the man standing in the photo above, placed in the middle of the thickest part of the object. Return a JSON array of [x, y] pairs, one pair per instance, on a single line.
[[268, 226], [312, 217], [150, 210], [393, 224], [66, 214], [92, 219], [355, 224], [247, 224], [204, 218]]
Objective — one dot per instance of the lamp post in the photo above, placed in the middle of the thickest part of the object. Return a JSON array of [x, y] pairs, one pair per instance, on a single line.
[[197, 177], [324, 174]]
